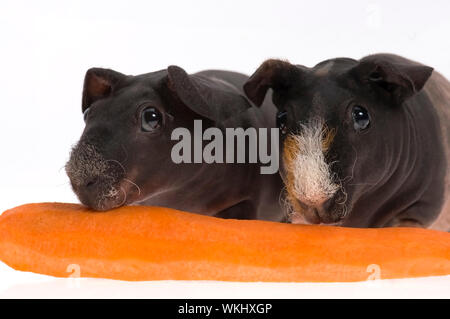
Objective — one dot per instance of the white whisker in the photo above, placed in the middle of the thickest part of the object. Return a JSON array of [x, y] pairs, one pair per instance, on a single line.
[[133, 183], [124, 195]]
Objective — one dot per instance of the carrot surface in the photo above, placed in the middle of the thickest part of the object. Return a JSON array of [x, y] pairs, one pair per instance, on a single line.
[[151, 243]]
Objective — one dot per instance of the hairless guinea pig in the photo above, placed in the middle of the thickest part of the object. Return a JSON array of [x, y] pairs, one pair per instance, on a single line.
[[365, 143], [124, 154]]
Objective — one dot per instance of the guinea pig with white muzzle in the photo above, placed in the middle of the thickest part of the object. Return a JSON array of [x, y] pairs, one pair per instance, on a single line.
[[365, 143]]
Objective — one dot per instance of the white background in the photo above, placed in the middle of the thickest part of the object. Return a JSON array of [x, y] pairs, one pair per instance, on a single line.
[[46, 47]]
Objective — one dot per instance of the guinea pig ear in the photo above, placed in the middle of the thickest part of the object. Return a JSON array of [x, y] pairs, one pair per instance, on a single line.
[[205, 96], [274, 74], [98, 84], [401, 79], [188, 91]]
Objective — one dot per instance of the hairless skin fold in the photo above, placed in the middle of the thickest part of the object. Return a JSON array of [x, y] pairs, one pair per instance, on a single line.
[[124, 154], [365, 143]]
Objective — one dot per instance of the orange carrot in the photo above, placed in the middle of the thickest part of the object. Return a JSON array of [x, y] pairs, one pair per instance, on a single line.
[[150, 243]]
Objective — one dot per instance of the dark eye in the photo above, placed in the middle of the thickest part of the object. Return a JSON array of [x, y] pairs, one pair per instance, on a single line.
[[85, 114], [151, 119], [281, 121], [361, 118]]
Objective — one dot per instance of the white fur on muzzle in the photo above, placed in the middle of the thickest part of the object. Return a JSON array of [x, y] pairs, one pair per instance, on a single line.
[[308, 177]]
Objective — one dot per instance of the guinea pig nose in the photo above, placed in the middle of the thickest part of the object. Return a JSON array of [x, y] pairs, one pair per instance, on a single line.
[[91, 182], [327, 204]]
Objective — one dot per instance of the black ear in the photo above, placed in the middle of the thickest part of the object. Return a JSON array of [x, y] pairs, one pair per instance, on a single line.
[[188, 91], [274, 74], [208, 97], [98, 84], [399, 77]]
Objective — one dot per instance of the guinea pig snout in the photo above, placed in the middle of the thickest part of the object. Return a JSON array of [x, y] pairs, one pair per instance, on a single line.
[[329, 212], [311, 186], [95, 179]]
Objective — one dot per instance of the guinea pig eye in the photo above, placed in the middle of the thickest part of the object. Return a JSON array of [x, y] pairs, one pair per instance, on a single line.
[[361, 118], [281, 121], [151, 119]]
